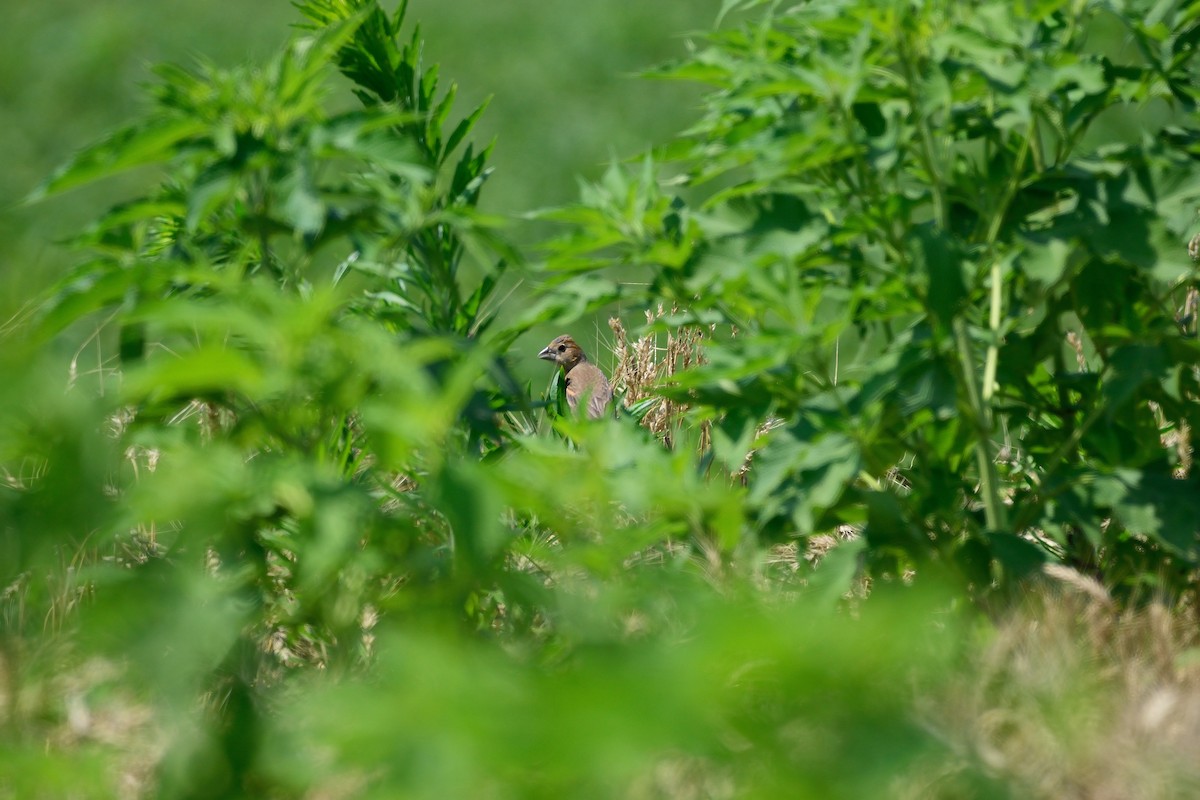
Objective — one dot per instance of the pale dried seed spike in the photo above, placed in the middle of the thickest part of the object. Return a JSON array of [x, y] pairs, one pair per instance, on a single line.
[[1077, 580]]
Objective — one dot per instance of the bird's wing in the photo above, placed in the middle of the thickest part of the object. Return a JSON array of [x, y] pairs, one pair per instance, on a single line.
[[587, 380], [601, 397]]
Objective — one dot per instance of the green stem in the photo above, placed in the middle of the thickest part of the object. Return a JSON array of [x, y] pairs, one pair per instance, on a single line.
[[995, 512], [992, 358], [980, 397], [927, 149]]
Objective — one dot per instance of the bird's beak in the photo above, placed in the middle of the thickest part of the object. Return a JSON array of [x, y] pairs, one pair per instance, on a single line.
[[546, 354]]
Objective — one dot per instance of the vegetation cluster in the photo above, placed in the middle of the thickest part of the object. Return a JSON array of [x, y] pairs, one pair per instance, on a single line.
[[906, 379]]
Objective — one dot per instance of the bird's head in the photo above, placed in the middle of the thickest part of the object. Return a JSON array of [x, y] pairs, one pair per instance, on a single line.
[[564, 352]]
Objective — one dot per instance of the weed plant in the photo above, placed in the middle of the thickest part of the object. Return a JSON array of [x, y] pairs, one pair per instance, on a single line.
[[899, 503]]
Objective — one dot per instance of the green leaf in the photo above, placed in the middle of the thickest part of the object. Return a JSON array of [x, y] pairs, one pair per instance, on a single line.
[[974, 560], [153, 142], [1131, 366], [1045, 262], [803, 479], [329, 536], [212, 189], [473, 507], [886, 527], [463, 128], [359, 137], [1162, 506], [941, 264], [91, 287], [206, 370], [834, 576], [1017, 555], [303, 207]]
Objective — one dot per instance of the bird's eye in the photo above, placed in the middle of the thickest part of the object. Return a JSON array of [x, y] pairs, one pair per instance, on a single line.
[[562, 348]]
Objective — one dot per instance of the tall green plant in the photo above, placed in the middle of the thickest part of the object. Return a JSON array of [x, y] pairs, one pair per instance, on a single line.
[[295, 391], [387, 75], [261, 179], [951, 239], [245, 299], [285, 323]]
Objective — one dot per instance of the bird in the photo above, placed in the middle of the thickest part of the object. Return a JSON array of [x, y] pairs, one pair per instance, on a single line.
[[583, 378]]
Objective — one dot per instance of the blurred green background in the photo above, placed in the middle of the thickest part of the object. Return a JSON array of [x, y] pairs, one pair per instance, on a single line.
[[562, 77]]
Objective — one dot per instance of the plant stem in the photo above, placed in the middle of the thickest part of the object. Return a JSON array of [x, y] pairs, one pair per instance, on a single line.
[[981, 397], [992, 358], [994, 510], [978, 395], [926, 150]]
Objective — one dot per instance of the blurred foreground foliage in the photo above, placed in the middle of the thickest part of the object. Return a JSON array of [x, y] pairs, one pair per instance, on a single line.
[[301, 515]]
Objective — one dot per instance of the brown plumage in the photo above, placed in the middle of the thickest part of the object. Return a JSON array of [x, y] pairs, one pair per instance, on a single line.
[[583, 378]]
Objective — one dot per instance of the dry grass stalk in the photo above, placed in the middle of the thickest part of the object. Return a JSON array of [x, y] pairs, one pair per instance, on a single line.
[[1076, 343], [1174, 436], [645, 363], [761, 431], [1182, 443], [1071, 697], [1085, 585]]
